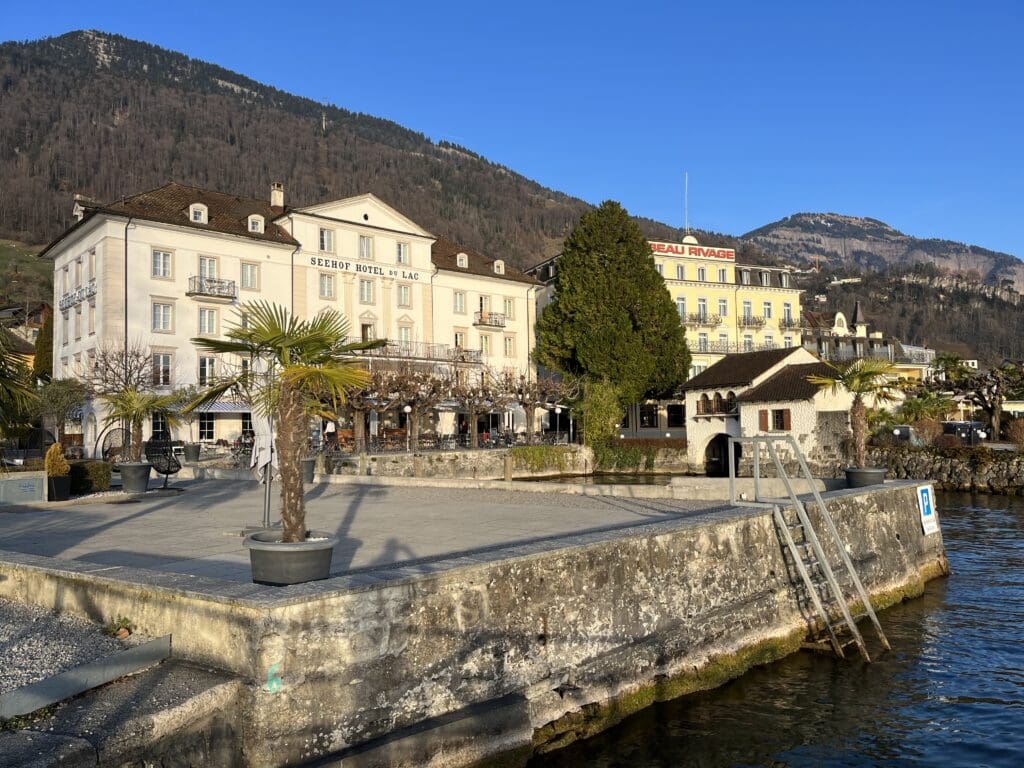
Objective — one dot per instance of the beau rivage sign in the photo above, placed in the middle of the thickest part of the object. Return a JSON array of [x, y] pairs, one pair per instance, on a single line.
[[692, 251], [363, 269]]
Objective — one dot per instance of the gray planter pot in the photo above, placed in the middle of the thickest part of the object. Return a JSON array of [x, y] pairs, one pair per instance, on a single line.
[[308, 467], [191, 451], [278, 564], [60, 487], [861, 478], [134, 476]]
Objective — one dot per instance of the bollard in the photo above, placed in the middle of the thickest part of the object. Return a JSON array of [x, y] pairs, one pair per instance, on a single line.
[[508, 467]]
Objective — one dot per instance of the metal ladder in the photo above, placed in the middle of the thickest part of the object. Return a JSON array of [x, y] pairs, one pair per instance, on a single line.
[[817, 574]]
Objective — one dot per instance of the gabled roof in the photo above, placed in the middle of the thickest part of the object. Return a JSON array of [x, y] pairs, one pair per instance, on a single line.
[[444, 252], [739, 370], [15, 343], [823, 320], [788, 384], [859, 318], [323, 209], [169, 204]]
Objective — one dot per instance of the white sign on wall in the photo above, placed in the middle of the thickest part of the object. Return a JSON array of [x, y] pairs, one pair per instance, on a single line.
[[926, 505]]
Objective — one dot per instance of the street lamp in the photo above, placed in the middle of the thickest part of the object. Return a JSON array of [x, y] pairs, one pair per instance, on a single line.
[[407, 410], [558, 421]]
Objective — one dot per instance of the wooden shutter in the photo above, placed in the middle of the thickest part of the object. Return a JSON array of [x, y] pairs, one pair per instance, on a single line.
[[786, 424], [762, 417]]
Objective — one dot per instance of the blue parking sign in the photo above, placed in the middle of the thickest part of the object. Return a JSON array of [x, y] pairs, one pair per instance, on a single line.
[[926, 505]]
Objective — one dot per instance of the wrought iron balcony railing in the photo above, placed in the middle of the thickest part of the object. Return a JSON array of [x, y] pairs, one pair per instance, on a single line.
[[211, 286], [702, 320], [417, 350], [490, 319], [752, 321], [790, 323]]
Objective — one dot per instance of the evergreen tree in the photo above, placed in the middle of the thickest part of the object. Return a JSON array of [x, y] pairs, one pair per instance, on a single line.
[[42, 363], [612, 318]]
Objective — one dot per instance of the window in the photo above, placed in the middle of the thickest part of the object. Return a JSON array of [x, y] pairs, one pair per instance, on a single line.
[[778, 420], [659, 268], [159, 427], [461, 260], [723, 307], [245, 367], [485, 304], [401, 253], [766, 278], [161, 264], [366, 291], [326, 286], [207, 368], [748, 343], [784, 279], [67, 280], [197, 213], [460, 303], [702, 308], [787, 312], [247, 422], [766, 309], [405, 335], [769, 340], [745, 277], [206, 426], [510, 346], [681, 307], [78, 273], [327, 240], [676, 415], [499, 267], [748, 310], [208, 267], [680, 272], [78, 322], [405, 295], [510, 308], [256, 224], [787, 341], [702, 342], [367, 332], [92, 263], [460, 339], [722, 275], [365, 247], [161, 369], [648, 416], [65, 328], [161, 317], [485, 344], [92, 317], [250, 276], [702, 273], [723, 338], [207, 320]]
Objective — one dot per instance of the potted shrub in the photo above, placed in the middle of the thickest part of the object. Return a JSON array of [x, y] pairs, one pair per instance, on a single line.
[[298, 368], [863, 378], [58, 474], [185, 396], [134, 407]]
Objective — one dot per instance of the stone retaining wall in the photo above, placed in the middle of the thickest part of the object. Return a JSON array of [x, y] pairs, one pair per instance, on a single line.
[[980, 469]]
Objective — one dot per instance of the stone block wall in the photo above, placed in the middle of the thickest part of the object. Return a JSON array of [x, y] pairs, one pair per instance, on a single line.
[[980, 469]]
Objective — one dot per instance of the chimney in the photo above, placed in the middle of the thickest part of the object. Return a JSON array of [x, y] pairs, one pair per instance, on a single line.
[[277, 194]]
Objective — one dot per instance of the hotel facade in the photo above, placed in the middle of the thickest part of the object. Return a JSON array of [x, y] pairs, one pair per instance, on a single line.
[[154, 270]]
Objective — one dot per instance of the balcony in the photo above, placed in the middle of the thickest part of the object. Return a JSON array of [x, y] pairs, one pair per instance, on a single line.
[[702, 320], [752, 321], [211, 287], [790, 324], [489, 319], [416, 350], [729, 348]]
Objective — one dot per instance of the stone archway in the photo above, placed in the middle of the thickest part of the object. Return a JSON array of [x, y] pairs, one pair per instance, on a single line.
[[716, 456]]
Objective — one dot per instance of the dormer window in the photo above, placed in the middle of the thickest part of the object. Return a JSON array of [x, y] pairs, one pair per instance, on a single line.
[[766, 278], [461, 260], [256, 224], [499, 267], [197, 213]]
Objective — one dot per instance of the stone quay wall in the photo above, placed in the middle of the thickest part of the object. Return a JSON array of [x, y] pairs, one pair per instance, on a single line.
[[966, 469], [503, 653]]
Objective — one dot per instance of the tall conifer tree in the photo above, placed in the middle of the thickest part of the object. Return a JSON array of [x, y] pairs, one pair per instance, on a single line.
[[612, 318]]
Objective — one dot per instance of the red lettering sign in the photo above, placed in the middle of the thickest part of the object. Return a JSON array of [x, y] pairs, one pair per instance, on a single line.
[[694, 251]]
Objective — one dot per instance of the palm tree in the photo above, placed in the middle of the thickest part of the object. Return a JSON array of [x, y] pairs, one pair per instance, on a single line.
[[952, 367], [15, 393], [133, 407], [863, 378], [306, 365], [925, 405]]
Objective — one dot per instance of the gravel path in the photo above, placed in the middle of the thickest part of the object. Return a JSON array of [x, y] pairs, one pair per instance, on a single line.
[[35, 644]]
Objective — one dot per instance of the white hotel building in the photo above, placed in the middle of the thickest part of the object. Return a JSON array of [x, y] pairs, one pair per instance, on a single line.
[[164, 266]]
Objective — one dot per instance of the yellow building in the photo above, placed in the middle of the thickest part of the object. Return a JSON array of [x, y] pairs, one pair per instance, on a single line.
[[727, 307]]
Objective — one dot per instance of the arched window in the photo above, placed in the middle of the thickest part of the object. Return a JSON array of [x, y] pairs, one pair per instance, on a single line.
[[718, 403], [730, 402], [703, 405]]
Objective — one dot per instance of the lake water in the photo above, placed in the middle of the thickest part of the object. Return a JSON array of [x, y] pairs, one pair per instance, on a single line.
[[950, 693]]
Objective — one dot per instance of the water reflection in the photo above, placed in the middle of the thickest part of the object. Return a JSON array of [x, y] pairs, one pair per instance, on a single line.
[[950, 693]]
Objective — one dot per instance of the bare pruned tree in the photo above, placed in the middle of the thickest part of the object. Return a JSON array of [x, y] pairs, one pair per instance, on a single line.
[[482, 391], [536, 392], [116, 369]]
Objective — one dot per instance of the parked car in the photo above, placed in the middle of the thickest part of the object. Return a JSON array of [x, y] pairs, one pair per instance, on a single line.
[[969, 432]]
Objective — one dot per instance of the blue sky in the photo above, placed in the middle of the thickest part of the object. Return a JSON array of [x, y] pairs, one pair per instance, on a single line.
[[910, 112]]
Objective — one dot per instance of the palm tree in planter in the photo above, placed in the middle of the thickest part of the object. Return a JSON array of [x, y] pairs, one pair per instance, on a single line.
[[133, 407], [865, 378], [296, 370]]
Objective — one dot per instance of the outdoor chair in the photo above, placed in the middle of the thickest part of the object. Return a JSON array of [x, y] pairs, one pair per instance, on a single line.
[[160, 453]]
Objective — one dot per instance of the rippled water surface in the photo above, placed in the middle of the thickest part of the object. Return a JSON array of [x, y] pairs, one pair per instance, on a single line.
[[951, 693]]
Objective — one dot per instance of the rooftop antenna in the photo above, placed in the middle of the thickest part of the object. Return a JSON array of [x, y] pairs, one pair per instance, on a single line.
[[686, 201]]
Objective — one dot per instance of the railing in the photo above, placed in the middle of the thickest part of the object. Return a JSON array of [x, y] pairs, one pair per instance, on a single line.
[[846, 355], [790, 323], [491, 319], [703, 320], [211, 286], [416, 350], [711, 408], [752, 321], [77, 296], [731, 348], [917, 358]]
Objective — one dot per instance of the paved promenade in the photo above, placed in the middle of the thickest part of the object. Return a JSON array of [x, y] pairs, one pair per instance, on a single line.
[[198, 530]]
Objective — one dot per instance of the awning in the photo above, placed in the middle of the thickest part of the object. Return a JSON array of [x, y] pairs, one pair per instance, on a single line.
[[224, 407]]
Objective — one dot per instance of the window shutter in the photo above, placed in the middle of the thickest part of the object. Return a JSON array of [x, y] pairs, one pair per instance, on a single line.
[[763, 419], [785, 420]]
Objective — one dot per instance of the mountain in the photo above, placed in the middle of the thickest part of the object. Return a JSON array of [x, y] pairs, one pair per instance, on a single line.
[[858, 244], [106, 116]]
